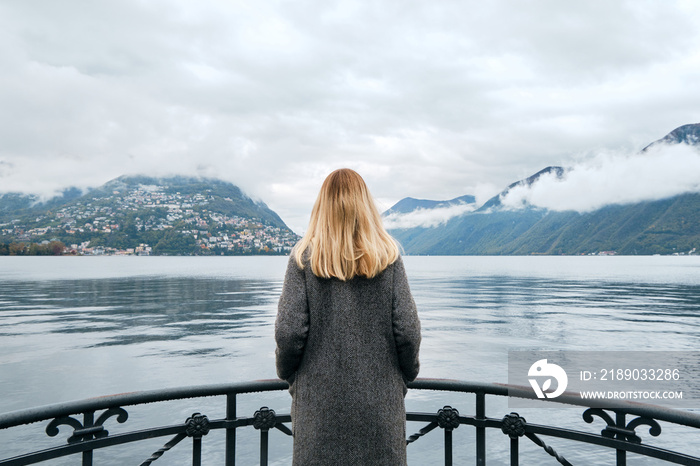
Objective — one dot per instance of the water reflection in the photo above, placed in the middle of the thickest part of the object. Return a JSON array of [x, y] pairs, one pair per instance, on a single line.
[[493, 313], [534, 308], [133, 311]]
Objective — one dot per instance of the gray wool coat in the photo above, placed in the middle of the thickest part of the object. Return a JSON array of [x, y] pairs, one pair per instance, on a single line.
[[347, 350]]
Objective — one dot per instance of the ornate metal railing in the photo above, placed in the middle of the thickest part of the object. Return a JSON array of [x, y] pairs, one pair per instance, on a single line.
[[88, 418]]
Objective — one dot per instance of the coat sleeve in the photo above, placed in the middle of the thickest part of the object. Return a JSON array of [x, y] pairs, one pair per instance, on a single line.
[[406, 325], [292, 322]]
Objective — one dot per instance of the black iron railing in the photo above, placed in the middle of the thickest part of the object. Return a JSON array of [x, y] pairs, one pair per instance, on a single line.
[[88, 418]]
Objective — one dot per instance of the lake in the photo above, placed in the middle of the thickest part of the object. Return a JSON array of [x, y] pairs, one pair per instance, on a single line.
[[79, 327]]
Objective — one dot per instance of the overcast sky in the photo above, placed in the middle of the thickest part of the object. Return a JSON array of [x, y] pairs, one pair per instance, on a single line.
[[431, 99]]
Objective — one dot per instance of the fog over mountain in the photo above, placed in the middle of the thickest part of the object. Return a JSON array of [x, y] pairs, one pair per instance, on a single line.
[[646, 202], [614, 178], [665, 168], [410, 212]]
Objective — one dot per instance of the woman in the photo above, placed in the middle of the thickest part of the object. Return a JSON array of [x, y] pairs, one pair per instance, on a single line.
[[347, 333]]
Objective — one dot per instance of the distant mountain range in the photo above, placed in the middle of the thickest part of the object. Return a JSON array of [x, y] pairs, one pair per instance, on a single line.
[[143, 215], [181, 216], [665, 226]]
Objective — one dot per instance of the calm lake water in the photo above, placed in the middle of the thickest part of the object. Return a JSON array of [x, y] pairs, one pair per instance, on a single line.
[[79, 327]]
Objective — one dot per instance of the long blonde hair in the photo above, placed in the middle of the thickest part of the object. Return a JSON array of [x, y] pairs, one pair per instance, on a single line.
[[346, 236]]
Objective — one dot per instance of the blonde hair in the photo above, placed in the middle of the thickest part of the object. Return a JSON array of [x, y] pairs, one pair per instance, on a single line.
[[346, 237]]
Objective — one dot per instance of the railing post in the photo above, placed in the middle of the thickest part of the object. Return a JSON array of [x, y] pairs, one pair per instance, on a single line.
[[197, 451], [197, 426], [231, 431], [514, 427], [88, 421], [621, 454], [448, 419], [480, 429], [448, 447], [263, 447], [263, 420]]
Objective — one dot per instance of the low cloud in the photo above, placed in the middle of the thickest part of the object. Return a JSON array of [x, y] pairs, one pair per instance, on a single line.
[[613, 178], [426, 218]]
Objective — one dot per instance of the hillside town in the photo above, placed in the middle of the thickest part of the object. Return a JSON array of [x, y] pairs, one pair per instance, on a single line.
[[147, 220]]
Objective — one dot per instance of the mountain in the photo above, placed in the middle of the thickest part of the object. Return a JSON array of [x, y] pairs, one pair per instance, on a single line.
[[686, 134], [139, 214], [409, 204], [411, 212], [18, 204], [223, 197], [666, 226], [495, 201]]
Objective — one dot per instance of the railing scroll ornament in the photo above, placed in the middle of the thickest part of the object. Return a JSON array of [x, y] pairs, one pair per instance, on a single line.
[[622, 432], [86, 430]]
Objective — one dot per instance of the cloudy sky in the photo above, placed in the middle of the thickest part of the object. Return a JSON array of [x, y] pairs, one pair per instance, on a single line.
[[425, 99]]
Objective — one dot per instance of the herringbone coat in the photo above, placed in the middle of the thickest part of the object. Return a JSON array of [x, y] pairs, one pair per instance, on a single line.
[[347, 350]]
